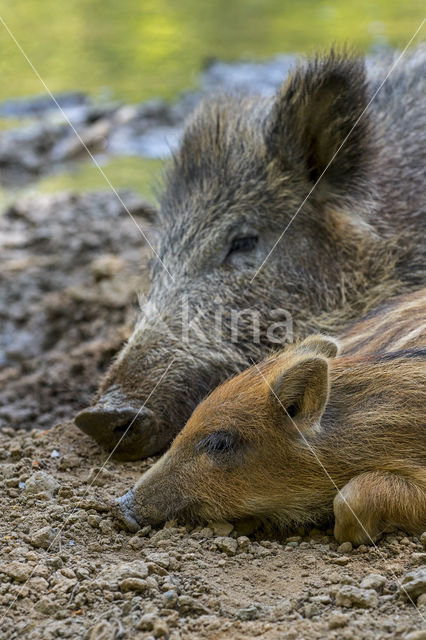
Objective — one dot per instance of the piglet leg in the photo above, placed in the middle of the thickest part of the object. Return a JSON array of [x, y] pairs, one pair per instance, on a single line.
[[372, 502]]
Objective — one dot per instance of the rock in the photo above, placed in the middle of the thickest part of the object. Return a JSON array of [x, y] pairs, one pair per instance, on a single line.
[[41, 482], [342, 561], [117, 575], [101, 631], [413, 584], [160, 628], [421, 600], [146, 623], [416, 635], [423, 539], [17, 571], [373, 581], [43, 538], [55, 562], [337, 621], [136, 543], [98, 476], [46, 606], [345, 547], [170, 599], [247, 613], [82, 573], [133, 584], [281, 610], [334, 577], [38, 584], [65, 492], [418, 558], [321, 599], [243, 543], [350, 596], [161, 559], [189, 605], [221, 528], [228, 545]]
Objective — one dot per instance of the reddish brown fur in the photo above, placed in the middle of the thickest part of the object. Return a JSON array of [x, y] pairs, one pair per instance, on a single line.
[[396, 325], [367, 440]]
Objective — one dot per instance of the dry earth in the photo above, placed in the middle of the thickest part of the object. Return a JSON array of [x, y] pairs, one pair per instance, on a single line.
[[68, 569], [70, 268]]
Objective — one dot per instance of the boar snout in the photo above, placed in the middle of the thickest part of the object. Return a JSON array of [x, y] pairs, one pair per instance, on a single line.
[[125, 431]]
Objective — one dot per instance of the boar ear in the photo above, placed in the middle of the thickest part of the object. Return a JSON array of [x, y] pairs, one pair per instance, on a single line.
[[315, 111], [321, 345], [302, 389]]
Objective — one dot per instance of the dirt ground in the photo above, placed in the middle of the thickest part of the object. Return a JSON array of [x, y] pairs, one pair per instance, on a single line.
[[68, 569], [71, 268]]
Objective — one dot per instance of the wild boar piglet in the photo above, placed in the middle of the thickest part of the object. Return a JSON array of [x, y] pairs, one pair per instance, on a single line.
[[290, 438]]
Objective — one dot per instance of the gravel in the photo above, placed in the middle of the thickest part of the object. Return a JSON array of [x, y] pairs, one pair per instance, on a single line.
[[414, 583]]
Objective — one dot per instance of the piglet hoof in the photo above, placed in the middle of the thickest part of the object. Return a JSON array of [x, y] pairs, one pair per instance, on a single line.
[[125, 510], [353, 523]]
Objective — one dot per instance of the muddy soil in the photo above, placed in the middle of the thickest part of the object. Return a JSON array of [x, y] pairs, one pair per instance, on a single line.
[[71, 268]]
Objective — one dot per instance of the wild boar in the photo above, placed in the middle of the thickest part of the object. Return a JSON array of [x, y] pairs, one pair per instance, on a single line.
[[308, 205], [292, 438]]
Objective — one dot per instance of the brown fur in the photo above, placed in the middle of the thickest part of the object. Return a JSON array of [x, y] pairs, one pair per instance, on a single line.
[[242, 454], [396, 325]]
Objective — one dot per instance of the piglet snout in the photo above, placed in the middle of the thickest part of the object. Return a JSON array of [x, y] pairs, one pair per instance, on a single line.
[[125, 509]]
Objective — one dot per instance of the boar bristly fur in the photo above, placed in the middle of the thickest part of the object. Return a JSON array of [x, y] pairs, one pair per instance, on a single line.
[[245, 166]]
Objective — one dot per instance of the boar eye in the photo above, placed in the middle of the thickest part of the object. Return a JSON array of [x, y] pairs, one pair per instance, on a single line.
[[243, 244], [220, 444]]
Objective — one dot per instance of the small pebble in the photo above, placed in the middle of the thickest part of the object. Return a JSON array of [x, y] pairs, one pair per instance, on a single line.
[[337, 621], [416, 635], [413, 584], [350, 596], [373, 581], [228, 545], [17, 571], [43, 538], [41, 482], [345, 547]]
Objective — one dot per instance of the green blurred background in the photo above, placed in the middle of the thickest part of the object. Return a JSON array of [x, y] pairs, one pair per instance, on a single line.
[[133, 50], [145, 48]]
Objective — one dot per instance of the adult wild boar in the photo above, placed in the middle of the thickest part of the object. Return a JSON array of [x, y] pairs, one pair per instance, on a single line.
[[287, 438], [246, 166]]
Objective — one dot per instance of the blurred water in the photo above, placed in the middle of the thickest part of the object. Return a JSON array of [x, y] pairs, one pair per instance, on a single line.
[[132, 51], [136, 50]]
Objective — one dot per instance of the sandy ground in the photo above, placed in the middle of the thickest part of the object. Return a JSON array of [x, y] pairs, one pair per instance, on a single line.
[[68, 569], [71, 267]]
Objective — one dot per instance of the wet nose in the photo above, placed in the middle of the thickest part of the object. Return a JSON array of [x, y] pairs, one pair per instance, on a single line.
[[125, 431]]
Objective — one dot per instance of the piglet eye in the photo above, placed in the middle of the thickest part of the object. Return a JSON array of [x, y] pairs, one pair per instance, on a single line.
[[220, 445]]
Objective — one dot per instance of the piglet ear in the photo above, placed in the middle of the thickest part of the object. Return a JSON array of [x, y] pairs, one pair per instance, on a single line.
[[320, 344], [302, 391], [319, 112]]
